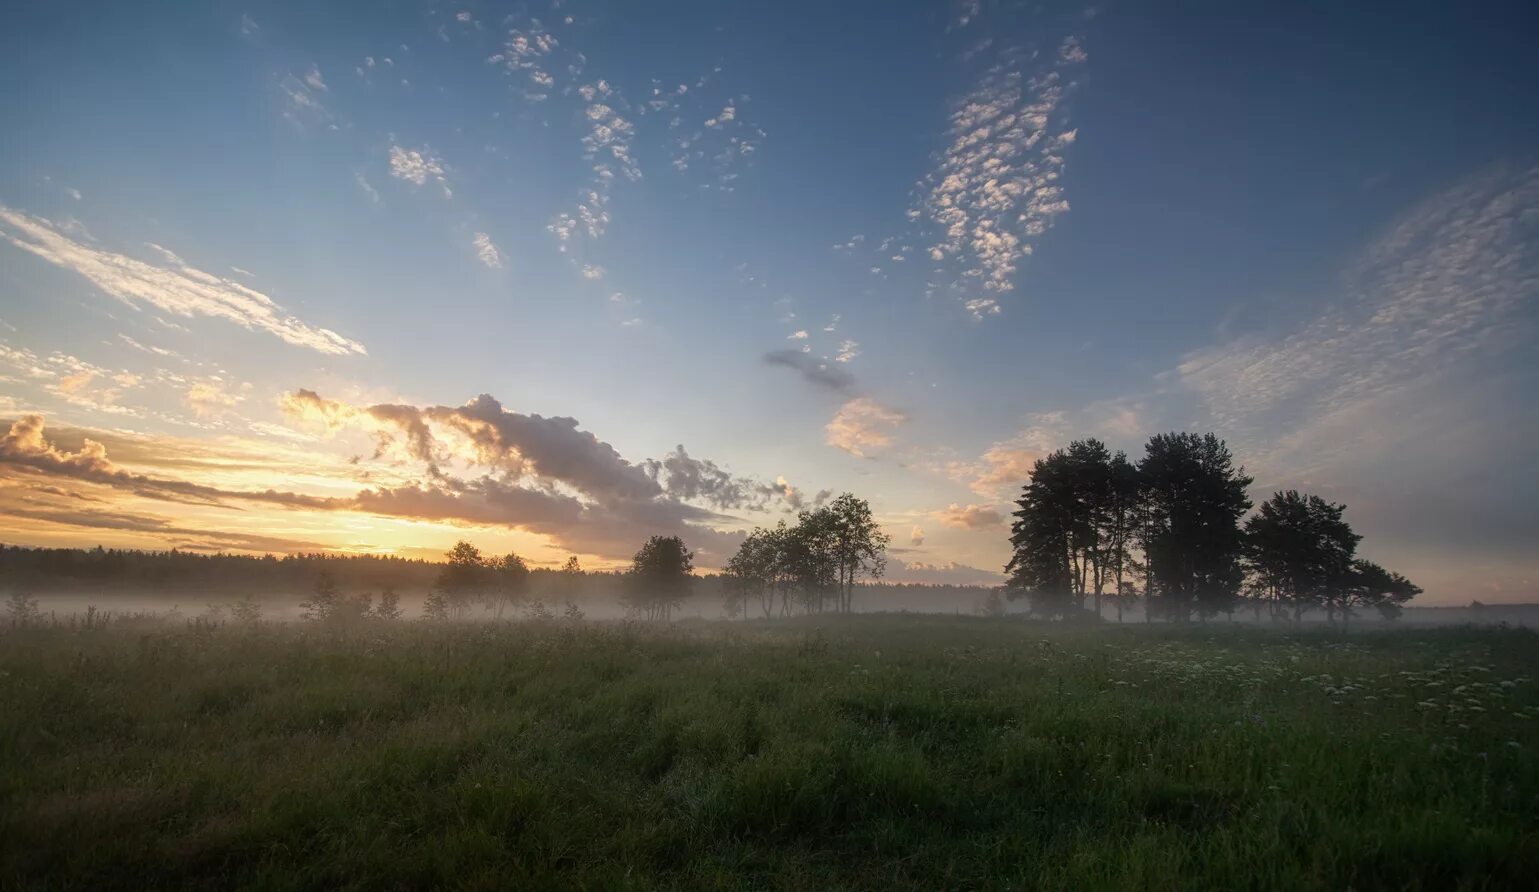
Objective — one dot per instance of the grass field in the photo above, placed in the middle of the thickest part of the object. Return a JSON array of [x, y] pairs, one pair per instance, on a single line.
[[871, 752]]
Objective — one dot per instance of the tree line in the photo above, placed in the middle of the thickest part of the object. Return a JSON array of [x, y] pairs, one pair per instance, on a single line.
[[110, 570], [655, 584], [1171, 531]]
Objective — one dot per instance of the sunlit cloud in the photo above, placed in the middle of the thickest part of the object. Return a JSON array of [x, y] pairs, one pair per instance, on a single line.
[[863, 426], [970, 517], [947, 573]]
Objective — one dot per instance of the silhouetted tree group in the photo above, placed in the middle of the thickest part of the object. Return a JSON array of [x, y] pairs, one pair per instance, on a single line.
[[468, 578], [811, 565], [659, 577], [1092, 526]]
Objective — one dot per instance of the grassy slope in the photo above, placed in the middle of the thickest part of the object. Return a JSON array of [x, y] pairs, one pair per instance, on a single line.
[[867, 753]]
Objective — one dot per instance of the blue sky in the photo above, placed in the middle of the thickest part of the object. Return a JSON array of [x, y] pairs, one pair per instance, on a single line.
[[895, 248]]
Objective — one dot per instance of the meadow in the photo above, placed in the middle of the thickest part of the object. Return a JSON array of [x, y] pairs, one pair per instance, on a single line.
[[858, 752]]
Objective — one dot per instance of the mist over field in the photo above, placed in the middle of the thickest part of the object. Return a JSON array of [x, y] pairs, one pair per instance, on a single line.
[[62, 606]]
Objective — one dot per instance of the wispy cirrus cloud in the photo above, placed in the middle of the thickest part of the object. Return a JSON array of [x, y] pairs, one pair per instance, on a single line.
[[1446, 286], [174, 288], [304, 98]]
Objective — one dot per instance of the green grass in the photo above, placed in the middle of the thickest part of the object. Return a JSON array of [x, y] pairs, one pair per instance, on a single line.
[[873, 752]]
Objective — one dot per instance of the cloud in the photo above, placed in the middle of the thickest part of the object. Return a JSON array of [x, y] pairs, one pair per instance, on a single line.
[[211, 396], [916, 537], [948, 573], [72, 379], [418, 167], [684, 477], [532, 453], [592, 271], [998, 187], [848, 350], [1444, 288], [163, 528], [607, 147], [483, 432], [971, 517], [302, 98], [25, 447], [966, 11], [1006, 464], [157, 351], [545, 477], [1413, 374], [175, 288], [814, 371], [797, 335], [486, 251], [862, 426], [368, 189]]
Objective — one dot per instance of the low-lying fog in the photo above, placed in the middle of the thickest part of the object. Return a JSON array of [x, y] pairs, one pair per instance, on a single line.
[[61, 606]]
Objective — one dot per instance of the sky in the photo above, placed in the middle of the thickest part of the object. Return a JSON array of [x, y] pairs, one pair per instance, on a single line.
[[555, 277]]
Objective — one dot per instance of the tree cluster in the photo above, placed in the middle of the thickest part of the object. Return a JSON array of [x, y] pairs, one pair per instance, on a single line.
[[813, 565], [659, 578], [467, 578], [1091, 526]]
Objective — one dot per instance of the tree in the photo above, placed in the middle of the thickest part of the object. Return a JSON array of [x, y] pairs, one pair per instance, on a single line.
[[246, 611], [660, 576], [1193, 499], [569, 581], [1074, 531], [808, 563], [750, 573], [858, 546], [436, 607], [462, 578], [1119, 530], [1042, 539], [1300, 551], [389, 606], [1374, 586], [327, 603], [324, 600], [509, 583], [22, 609]]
